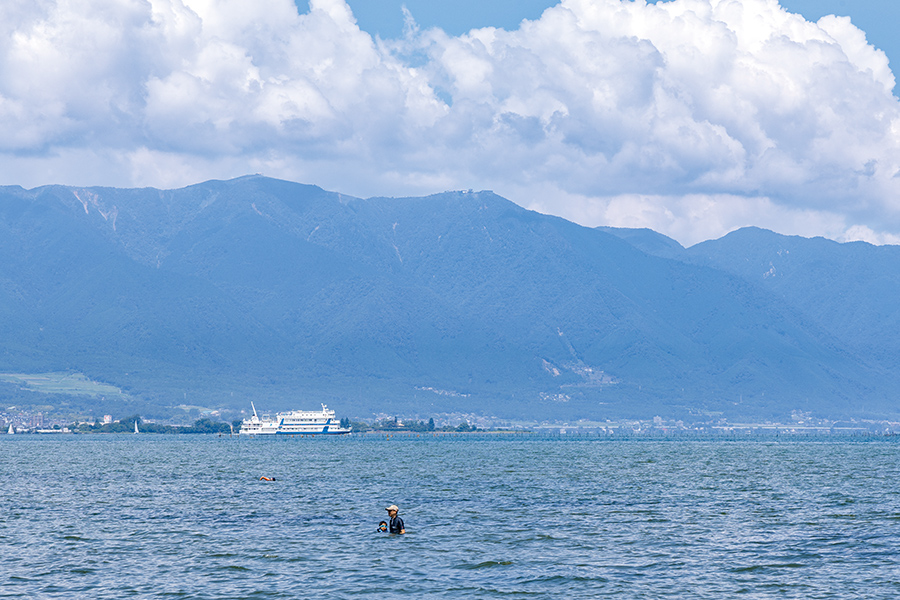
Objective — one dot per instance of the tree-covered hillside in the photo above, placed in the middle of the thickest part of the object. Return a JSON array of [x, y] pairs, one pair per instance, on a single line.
[[259, 289]]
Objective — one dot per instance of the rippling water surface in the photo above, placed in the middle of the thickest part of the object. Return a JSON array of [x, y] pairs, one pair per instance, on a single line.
[[487, 517]]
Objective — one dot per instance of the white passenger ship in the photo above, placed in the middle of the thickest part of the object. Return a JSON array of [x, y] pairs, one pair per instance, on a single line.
[[295, 422]]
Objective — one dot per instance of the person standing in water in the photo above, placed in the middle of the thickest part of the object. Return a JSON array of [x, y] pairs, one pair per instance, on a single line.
[[396, 523]]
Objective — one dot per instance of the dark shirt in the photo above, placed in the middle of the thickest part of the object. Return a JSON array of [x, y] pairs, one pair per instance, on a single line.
[[396, 525]]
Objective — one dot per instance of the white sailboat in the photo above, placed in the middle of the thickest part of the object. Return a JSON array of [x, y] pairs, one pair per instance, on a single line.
[[11, 430], [135, 426]]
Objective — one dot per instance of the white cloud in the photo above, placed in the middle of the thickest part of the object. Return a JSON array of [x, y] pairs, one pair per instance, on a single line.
[[691, 116]]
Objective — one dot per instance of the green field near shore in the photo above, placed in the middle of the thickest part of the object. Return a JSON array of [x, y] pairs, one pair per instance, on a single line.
[[75, 384]]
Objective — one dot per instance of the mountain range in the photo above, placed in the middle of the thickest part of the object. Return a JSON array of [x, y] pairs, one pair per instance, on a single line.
[[287, 295]]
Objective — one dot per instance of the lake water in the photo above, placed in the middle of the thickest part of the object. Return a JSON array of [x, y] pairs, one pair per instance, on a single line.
[[149, 516]]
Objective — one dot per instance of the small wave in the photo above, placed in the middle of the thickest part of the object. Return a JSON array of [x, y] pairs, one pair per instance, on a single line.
[[564, 579], [235, 568], [758, 568], [484, 565]]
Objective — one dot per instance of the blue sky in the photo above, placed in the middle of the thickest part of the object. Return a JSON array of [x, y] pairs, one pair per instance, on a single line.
[[690, 117], [880, 19]]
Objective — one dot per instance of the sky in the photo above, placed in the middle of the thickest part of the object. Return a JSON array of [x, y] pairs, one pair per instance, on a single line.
[[690, 117], [878, 18]]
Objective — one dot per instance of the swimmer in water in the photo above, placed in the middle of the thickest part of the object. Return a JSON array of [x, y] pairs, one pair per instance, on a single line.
[[396, 523], [382, 527], [264, 478]]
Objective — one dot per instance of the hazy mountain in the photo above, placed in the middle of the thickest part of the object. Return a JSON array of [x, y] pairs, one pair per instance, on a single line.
[[263, 289], [850, 289], [649, 241]]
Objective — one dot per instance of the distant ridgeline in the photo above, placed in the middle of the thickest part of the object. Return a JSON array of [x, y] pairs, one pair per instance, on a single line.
[[287, 294]]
